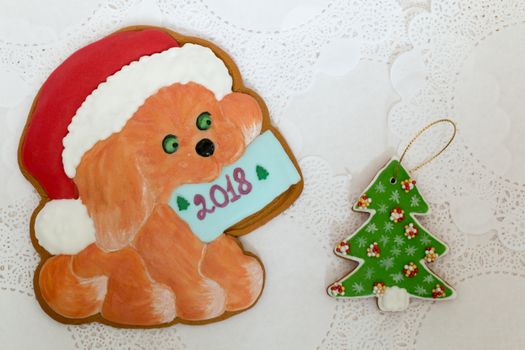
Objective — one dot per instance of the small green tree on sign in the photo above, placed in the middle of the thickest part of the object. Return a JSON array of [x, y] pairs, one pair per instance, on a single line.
[[262, 173], [182, 203]]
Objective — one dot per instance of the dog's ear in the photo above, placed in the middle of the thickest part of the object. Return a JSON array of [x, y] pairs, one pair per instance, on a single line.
[[244, 111], [115, 193]]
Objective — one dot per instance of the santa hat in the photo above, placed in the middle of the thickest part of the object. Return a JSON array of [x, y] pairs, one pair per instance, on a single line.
[[88, 98]]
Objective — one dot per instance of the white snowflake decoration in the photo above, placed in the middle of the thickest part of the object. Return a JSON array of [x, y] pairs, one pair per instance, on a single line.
[[358, 287], [410, 250], [399, 240], [389, 226], [394, 197], [397, 277], [371, 228], [428, 279], [382, 208], [420, 290], [361, 242], [425, 239], [387, 263], [369, 273], [384, 240], [380, 187], [395, 251], [414, 201]]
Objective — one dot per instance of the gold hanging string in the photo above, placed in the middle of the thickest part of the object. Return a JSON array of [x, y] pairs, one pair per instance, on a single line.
[[419, 133]]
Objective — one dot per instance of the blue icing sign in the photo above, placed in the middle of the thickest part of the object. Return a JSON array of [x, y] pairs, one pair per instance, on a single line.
[[263, 172]]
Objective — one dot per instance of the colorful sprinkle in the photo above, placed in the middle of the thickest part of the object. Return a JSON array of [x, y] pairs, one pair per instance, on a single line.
[[373, 250], [430, 254], [438, 292], [379, 288], [337, 289], [408, 185], [364, 201], [411, 231], [410, 270], [343, 248], [397, 214]]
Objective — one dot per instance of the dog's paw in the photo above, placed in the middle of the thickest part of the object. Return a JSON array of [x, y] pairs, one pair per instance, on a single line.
[[203, 301], [66, 293], [163, 303]]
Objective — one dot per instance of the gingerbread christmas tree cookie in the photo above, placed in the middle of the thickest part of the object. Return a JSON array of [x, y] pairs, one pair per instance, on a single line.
[[392, 248]]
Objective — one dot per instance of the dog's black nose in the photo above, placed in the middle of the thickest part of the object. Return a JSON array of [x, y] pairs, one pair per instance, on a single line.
[[205, 148]]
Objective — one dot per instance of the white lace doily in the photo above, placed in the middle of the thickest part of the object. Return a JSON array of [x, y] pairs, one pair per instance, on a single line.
[[348, 83]]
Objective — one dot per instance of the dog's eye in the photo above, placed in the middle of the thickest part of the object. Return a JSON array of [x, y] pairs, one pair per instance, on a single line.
[[170, 144], [204, 121]]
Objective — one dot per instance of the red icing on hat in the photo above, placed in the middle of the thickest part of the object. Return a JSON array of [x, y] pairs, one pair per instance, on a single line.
[[63, 93]]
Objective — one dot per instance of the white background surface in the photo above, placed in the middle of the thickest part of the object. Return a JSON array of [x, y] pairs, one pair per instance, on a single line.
[[348, 83]]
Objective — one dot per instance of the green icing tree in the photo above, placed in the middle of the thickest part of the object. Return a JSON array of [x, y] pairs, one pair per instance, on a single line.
[[182, 203], [262, 173], [392, 248]]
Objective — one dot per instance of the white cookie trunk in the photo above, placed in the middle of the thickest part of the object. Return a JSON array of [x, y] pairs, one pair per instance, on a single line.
[[394, 299]]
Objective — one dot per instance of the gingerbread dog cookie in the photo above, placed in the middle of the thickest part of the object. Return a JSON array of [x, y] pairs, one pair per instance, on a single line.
[[150, 157]]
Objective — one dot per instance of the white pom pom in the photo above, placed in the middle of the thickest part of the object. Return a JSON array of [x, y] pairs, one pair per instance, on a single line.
[[394, 299], [63, 226]]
